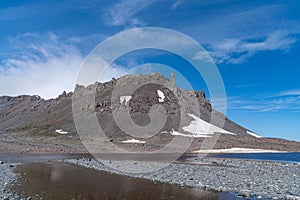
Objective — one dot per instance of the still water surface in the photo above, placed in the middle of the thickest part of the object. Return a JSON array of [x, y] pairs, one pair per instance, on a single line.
[[293, 157], [67, 181]]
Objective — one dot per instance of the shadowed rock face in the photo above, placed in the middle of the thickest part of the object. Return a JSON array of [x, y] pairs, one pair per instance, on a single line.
[[40, 117]]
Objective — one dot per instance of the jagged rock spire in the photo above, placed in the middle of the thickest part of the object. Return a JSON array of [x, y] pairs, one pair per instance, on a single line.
[[172, 78]]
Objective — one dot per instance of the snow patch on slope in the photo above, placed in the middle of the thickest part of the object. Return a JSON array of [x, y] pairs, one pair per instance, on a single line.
[[175, 133], [161, 96], [134, 141], [253, 134], [60, 131], [200, 128], [125, 99]]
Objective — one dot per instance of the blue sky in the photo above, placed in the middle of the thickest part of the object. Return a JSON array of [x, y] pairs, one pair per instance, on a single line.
[[255, 45]]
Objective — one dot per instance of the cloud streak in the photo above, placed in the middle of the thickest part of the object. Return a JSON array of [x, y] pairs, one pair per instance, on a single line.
[[124, 13], [176, 4], [290, 92], [284, 101], [238, 50]]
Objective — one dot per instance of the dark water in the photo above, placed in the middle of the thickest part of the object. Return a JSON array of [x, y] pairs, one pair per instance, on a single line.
[[67, 181], [279, 157], [23, 158]]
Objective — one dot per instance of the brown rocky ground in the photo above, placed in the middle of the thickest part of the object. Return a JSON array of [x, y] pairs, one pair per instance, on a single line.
[[22, 142]]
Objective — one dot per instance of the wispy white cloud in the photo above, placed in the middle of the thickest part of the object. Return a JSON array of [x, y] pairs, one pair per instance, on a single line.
[[87, 42], [45, 65], [233, 34], [238, 50], [176, 4], [202, 55], [124, 13], [290, 92], [247, 85], [271, 103]]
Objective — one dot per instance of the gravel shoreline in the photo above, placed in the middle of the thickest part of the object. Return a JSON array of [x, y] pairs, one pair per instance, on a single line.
[[259, 179], [8, 178]]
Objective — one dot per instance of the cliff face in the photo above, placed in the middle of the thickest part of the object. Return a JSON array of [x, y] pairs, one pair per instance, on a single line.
[[144, 97], [187, 113]]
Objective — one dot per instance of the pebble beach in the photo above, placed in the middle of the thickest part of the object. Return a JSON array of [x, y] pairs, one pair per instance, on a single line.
[[249, 179]]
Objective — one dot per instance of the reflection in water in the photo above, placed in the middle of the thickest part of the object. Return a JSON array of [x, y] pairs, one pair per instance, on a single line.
[[65, 181], [56, 173]]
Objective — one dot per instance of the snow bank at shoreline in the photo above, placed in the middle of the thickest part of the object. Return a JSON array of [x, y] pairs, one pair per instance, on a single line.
[[236, 150], [253, 134]]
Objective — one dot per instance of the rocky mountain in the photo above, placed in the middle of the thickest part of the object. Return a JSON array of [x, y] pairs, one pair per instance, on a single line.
[[151, 104]]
